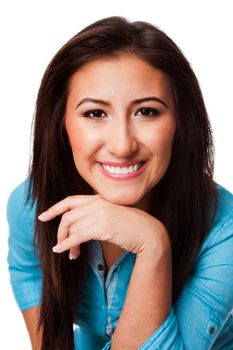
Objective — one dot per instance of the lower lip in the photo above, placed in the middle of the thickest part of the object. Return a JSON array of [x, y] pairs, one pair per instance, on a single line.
[[122, 176]]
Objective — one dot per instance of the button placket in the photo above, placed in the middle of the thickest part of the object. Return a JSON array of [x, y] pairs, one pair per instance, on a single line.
[[100, 267], [212, 330]]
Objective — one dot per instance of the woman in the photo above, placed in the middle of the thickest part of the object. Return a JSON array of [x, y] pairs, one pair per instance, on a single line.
[[134, 239]]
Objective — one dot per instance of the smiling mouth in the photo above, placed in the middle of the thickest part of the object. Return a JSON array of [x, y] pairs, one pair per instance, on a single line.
[[116, 170]]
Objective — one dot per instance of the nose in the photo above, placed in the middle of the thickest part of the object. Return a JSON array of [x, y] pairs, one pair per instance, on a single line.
[[122, 140]]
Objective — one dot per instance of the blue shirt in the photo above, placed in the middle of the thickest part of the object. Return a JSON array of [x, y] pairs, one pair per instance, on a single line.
[[200, 319]]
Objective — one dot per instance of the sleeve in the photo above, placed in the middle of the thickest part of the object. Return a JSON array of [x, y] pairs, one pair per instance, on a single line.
[[206, 302], [23, 262], [107, 346]]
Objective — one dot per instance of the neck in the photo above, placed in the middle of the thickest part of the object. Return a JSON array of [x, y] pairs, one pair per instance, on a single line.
[[144, 203]]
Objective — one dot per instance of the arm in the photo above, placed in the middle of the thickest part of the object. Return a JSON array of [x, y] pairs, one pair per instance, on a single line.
[[31, 317], [23, 262], [148, 300], [197, 319]]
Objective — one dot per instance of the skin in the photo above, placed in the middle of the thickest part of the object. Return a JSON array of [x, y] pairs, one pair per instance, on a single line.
[[123, 134], [31, 318], [117, 212], [119, 131]]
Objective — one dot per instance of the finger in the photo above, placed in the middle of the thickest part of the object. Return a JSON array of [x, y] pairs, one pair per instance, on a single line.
[[66, 221], [68, 243], [74, 216], [74, 253], [67, 204], [79, 233]]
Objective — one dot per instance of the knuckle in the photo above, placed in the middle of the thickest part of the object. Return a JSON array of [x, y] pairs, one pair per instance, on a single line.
[[65, 218], [108, 235], [104, 219], [68, 199], [104, 210], [71, 201], [72, 231]]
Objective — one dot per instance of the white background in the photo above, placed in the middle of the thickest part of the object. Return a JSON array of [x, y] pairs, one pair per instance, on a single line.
[[32, 32]]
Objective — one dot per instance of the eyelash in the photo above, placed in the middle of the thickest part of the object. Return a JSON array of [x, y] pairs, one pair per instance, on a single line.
[[155, 113]]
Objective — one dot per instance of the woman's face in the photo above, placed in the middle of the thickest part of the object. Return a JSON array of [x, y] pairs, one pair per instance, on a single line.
[[120, 113]]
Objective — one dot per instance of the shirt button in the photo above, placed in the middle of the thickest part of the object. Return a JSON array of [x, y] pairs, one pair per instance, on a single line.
[[100, 267], [212, 330]]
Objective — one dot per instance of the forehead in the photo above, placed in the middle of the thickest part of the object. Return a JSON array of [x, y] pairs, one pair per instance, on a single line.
[[124, 74]]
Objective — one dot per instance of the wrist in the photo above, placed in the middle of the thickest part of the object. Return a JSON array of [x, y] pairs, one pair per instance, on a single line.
[[158, 245]]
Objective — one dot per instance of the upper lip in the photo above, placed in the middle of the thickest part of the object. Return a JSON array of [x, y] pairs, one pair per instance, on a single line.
[[122, 164]]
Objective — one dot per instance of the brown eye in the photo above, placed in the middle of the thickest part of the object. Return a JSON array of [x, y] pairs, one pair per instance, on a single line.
[[149, 112], [94, 114]]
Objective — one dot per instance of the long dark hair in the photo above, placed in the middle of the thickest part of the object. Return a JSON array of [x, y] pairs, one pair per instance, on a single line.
[[186, 194]]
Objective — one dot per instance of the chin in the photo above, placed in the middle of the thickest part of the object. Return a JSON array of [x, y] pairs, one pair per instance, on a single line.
[[120, 199]]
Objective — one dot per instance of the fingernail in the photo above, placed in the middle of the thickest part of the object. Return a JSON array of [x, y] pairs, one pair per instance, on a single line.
[[57, 248], [71, 256], [42, 216]]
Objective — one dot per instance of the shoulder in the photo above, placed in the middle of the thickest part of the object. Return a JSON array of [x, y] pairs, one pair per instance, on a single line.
[[222, 227], [225, 201], [206, 301], [20, 209], [224, 213], [23, 259]]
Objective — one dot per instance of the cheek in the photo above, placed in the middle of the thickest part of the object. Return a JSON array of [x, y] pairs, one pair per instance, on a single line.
[[82, 141], [161, 140], [77, 142]]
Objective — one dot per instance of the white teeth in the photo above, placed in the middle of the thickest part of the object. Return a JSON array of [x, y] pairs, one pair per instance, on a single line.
[[125, 170]]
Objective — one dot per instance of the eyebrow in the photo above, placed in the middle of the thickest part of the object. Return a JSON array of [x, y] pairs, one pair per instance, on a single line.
[[140, 100]]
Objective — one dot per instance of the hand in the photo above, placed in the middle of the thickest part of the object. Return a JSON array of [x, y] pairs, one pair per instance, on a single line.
[[87, 217]]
